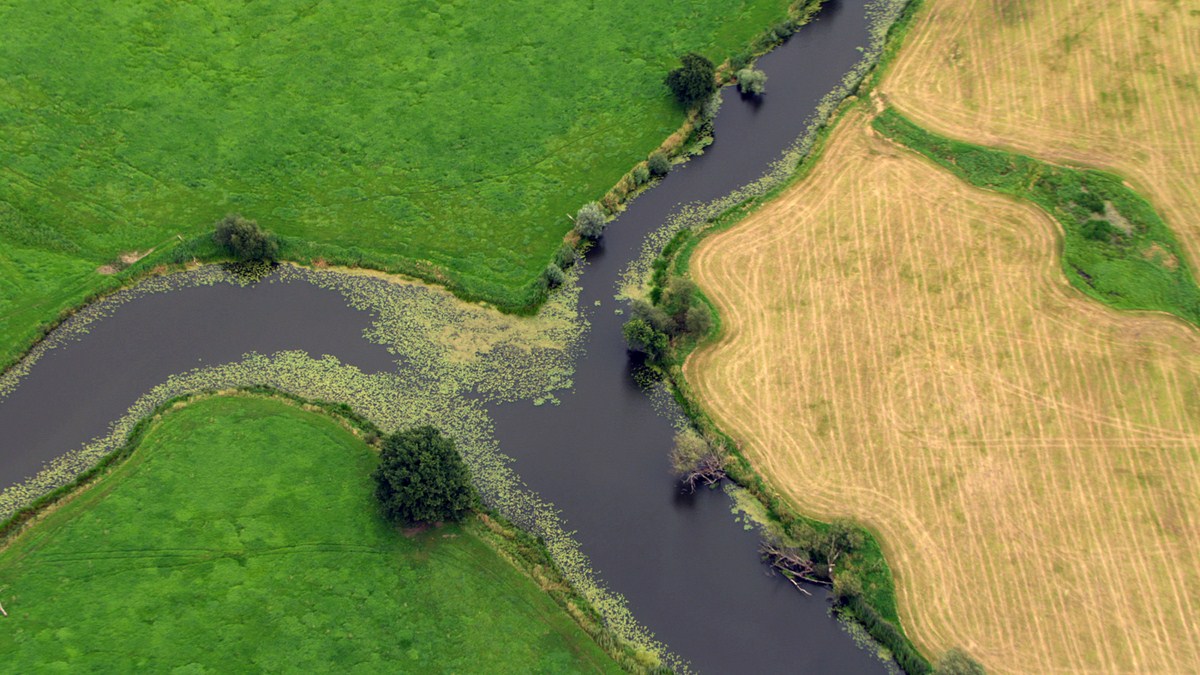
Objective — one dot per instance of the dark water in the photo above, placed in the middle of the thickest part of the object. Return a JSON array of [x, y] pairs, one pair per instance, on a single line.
[[689, 571]]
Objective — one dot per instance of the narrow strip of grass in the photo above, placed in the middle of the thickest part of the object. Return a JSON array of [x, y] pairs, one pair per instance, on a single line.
[[243, 531], [1116, 249]]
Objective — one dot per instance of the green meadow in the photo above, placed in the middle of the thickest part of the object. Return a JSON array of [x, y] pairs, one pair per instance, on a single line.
[[449, 140], [244, 531]]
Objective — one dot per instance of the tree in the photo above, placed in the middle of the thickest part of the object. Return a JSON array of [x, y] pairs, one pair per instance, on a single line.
[[696, 461], [590, 221], [245, 240], [752, 81], [957, 662], [659, 164], [553, 275], [694, 82], [641, 337], [641, 174], [421, 478], [565, 257]]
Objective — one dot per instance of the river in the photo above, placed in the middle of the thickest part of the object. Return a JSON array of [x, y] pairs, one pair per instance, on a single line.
[[688, 570]]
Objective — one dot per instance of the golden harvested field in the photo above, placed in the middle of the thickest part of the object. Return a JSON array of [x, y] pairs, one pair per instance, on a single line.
[[1113, 85], [903, 349]]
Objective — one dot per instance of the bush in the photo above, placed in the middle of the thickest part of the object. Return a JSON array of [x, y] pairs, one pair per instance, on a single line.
[[245, 240], [694, 82], [957, 662], [565, 256], [590, 221], [641, 337], [641, 174], [752, 81], [421, 478], [553, 275], [659, 164], [740, 61]]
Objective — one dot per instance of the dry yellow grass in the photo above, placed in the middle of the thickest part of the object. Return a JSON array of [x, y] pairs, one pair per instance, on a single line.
[[903, 349], [1114, 85]]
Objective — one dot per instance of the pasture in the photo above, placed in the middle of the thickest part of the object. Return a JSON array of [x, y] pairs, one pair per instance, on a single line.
[[245, 531], [902, 348], [446, 140]]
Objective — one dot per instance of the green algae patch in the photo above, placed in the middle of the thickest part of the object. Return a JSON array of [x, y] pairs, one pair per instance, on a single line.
[[243, 531]]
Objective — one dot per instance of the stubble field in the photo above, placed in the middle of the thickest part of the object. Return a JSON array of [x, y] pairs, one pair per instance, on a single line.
[[903, 349], [1112, 85]]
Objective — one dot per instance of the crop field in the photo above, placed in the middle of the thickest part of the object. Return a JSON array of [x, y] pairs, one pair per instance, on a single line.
[[448, 139], [915, 359], [1113, 85], [245, 531]]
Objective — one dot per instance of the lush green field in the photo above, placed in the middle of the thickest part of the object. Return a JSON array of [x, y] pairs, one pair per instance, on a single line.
[[243, 532], [1115, 247], [446, 139]]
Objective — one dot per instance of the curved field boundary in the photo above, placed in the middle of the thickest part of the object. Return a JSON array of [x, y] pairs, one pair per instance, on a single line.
[[1116, 248], [1112, 85], [901, 348]]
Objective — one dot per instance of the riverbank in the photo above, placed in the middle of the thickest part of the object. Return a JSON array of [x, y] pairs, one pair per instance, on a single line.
[[62, 256], [874, 604], [218, 455]]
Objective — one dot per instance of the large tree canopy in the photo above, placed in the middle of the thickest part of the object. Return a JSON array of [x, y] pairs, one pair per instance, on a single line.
[[422, 479]]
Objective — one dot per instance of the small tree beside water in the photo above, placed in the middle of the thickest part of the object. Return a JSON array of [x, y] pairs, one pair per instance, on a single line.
[[590, 221], [694, 81], [752, 81], [421, 478], [243, 239]]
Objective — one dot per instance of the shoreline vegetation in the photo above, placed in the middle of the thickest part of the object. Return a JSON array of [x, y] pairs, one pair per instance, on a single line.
[[509, 542], [866, 596], [176, 250], [1113, 241]]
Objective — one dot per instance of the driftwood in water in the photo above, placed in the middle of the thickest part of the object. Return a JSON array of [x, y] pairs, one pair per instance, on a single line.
[[708, 471], [794, 564]]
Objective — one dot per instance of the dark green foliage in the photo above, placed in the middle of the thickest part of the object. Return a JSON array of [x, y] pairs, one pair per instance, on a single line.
[[693, 82], [887, 634], [1116, 249], [957, 662], [565, 256], [783, 30], [553, 276], [740, 60], [641, 337], [245, 240], [659, 164], [422, 479], [590, 221]]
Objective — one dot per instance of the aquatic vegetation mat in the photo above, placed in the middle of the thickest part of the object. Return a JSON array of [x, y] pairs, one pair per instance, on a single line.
[[453, 358], [245, 531]]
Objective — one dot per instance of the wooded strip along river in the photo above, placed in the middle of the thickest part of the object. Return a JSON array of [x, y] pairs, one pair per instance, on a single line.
[[689, 571]]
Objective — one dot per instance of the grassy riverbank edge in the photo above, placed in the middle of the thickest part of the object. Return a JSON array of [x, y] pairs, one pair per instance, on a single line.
[[177, 255], [519, 548], [875, 610]]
